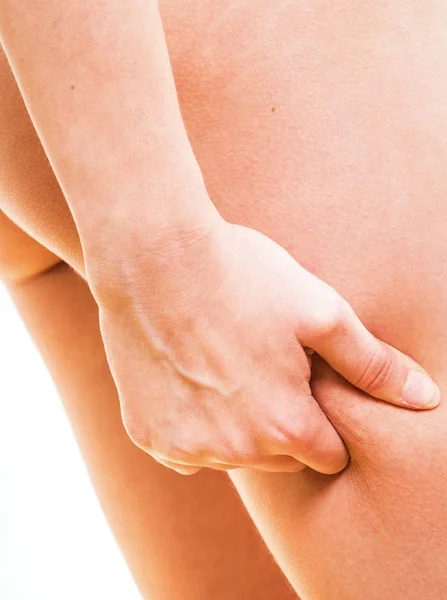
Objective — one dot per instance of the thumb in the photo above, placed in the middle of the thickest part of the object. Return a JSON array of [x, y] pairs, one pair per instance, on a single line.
[[370, 364]]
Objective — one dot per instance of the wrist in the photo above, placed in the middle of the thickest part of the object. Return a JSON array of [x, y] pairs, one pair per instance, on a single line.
[[132, 246]]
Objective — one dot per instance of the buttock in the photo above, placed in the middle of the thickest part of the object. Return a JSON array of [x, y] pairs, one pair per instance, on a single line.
[[21, 257], [339, 157]]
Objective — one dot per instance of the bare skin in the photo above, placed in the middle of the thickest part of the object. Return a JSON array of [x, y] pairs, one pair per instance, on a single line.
[[204, 321], [356, 190], [183, 538]]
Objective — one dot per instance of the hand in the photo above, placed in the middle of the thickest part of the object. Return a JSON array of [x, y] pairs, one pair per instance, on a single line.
[[210, 342]]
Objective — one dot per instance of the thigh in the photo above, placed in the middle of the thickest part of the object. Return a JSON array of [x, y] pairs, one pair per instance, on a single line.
[[376, 531], [347, 172], [326, 128], [182, 537]]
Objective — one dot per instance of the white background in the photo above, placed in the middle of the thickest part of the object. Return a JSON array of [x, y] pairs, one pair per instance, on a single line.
[[54, 541]]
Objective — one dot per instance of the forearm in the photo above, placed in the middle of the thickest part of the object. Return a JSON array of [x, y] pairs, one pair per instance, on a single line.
[[98, 84]]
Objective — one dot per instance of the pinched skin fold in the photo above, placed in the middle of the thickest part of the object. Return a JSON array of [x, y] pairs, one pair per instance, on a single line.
[[325, 127]]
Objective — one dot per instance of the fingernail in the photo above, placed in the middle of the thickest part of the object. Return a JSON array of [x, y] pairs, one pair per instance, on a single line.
[[420, 391]]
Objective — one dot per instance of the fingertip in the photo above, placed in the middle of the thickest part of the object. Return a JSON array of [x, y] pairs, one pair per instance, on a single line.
[[336, 466], [420, 391], [329, 459]]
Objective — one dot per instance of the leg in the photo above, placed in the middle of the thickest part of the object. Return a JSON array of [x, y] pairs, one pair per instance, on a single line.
[[376, 531], [365, 175], [182, 537], [196, 533]]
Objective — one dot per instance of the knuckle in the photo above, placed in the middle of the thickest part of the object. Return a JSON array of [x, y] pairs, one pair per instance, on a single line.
[[227, 458], [138, 433], [173, 451], [286, 435], [303, 434], [329, 317], [378, 371], [178, 468], [238, 448], [176, 447], [308, 435], [311, 437], [309, 441], [170, 445], [238, 457]]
